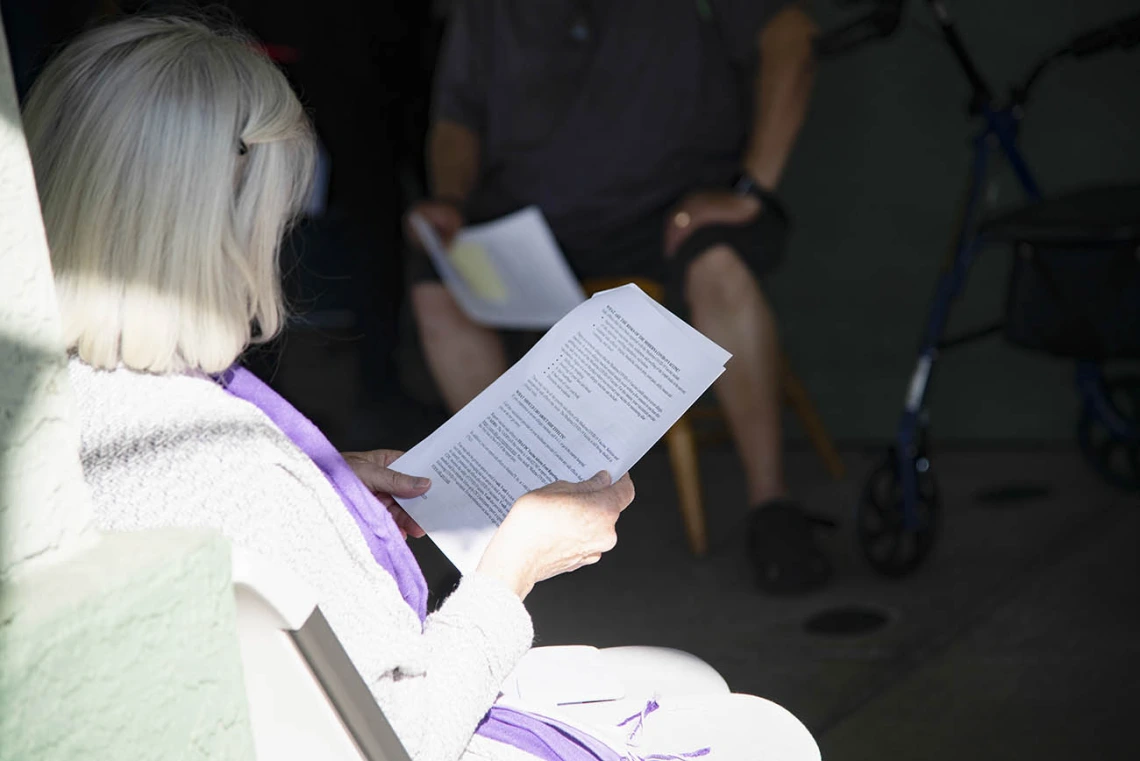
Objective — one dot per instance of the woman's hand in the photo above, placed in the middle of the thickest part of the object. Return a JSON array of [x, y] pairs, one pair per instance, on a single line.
[[372, 468], [556, 529]]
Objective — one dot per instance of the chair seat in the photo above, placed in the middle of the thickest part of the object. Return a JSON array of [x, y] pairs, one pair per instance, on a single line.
[[1109, 214]]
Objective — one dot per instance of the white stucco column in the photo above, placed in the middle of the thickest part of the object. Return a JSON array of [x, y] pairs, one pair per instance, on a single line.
[[112, 646], [43, 502]]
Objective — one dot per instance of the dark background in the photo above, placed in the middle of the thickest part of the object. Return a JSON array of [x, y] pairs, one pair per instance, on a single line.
[[874, 186], [875, 182]]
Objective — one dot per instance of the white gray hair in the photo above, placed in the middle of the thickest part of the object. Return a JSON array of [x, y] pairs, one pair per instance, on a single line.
[[170, 159]]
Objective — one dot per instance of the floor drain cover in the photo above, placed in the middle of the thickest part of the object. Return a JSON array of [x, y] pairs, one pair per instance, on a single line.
[[1012, 495], [849, 621]]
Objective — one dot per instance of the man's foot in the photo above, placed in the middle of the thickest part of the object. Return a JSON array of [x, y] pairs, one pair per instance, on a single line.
[[782, 548]]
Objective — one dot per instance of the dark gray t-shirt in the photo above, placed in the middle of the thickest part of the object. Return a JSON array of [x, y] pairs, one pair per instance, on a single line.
[[602, 112]]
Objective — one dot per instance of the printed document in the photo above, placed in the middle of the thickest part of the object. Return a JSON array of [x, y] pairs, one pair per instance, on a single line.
[[508, 273], [596, 392]]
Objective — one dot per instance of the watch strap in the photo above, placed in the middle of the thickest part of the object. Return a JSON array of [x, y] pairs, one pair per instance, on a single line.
[[744, 184]]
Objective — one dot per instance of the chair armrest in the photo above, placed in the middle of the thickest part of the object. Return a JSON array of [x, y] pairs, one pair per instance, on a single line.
[[307, 700]]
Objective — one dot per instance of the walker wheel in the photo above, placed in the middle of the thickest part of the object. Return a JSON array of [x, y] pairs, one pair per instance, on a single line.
[[1115, 459], [889, 546]]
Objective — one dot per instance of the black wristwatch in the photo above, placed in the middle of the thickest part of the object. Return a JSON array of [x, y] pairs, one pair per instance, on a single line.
[[744, 185]]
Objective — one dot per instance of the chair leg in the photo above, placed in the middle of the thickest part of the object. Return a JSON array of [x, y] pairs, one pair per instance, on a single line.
[[686, 473], [805, 410]]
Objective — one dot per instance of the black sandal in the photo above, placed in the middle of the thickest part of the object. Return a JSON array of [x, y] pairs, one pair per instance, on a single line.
[[782, 548]]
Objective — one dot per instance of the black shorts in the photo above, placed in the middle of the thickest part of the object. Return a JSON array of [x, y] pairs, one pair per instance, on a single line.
[[639, 252]]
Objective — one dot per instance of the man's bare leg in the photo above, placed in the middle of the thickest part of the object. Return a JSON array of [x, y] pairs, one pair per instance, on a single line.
[[728, 306], [464, 358]]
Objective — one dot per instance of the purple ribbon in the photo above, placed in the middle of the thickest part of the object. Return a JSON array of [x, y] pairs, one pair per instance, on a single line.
[[384, 540], [650, 707], [543, 737]]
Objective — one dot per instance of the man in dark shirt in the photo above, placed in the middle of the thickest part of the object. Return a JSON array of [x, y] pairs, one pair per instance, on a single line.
[[652, 134]]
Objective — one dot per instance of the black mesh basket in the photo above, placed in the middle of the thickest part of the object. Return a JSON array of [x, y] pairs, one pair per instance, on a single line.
[[1074, 288], [1079, 301]]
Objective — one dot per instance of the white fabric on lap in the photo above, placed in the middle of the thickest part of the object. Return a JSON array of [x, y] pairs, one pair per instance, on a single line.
[[695, 710], [662, 671]]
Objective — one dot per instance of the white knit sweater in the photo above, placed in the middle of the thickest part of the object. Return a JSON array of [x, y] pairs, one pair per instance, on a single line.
[[179, 451]]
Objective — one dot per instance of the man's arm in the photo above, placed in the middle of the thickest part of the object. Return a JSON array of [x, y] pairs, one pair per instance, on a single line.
[[458, 104], [453, 161], [782, 89], [453, 167], [781, 93]]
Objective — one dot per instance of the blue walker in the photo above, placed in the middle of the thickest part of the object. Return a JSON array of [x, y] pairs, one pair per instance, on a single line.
[[1074, 292]]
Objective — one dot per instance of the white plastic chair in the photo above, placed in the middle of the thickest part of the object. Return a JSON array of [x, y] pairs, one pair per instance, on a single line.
[[306, 699]]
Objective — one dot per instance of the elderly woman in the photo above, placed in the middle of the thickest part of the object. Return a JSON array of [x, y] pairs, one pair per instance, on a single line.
[[170, 158]]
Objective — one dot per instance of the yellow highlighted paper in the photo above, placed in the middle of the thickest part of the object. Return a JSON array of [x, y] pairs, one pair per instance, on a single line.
[[475, 267]]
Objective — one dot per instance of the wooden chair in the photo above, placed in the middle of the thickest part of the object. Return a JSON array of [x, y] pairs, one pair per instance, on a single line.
[[681, 439]]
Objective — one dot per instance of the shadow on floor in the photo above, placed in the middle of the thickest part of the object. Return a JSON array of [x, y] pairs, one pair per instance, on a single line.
[[1020, 639], [1013, 642]]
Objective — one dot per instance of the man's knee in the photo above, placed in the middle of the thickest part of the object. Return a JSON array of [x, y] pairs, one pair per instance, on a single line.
[[719, 278]]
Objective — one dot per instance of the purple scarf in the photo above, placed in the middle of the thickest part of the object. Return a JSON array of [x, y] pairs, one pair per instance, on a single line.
[[384, 540], [539, 736]]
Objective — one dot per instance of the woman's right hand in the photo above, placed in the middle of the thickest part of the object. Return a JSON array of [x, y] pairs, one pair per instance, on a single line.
[[556, 529]]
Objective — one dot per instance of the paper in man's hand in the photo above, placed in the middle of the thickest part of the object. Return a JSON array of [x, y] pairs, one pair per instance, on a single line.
[[508, 273]]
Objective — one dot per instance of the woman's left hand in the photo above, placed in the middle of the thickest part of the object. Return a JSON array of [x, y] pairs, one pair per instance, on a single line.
[[372, 468]]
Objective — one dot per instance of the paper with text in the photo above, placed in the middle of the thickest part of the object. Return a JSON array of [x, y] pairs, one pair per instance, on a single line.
[[596, 392], [508, 273]]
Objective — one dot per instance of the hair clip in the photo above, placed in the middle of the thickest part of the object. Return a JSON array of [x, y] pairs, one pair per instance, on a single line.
[[242, 148]]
